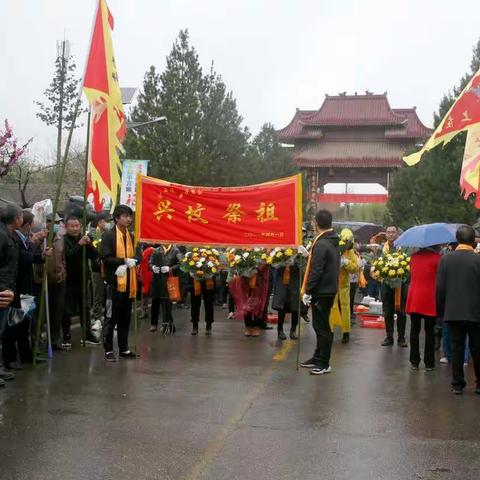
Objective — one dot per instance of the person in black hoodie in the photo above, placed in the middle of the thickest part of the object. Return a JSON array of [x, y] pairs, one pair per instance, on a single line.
[[74, 243], [458, 303], [319, 289], [11, 218]]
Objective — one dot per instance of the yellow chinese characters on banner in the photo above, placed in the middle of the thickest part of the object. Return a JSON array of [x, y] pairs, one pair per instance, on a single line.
[[265, 214]]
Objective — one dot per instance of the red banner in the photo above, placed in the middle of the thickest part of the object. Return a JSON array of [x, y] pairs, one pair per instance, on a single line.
[[352, 198], [267, 215]]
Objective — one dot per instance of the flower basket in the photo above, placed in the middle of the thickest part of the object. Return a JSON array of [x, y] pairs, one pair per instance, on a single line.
[[201, 263]]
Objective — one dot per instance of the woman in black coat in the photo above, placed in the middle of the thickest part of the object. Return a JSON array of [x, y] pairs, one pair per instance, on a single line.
[[286, 294], [163, 262]]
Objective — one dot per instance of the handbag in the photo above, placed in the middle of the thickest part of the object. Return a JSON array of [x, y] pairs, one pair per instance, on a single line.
[[15, 316], [173, 288]]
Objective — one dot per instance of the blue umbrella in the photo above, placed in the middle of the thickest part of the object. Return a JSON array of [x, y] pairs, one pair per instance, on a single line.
[[422, 236]]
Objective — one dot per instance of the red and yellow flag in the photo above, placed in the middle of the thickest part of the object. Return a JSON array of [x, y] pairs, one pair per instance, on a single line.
[[464, 115], [107, 124]]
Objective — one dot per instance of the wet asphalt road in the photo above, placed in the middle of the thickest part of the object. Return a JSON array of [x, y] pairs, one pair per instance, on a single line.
[[229, 408]]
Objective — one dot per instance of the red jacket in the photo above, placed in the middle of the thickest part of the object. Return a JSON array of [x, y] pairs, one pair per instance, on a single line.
[[144, 272], [421, 294]]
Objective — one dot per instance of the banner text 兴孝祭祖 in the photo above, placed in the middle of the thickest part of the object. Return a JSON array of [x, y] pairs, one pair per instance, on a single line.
[[267, 214]]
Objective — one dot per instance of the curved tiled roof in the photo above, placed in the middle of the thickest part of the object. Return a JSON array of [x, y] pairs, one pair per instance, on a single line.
[[295, 127], [415, 127], [355, 110], [350, 154], [352, 111]]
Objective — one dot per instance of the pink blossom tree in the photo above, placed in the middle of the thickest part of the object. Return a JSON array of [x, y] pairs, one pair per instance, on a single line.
[[10, 152]]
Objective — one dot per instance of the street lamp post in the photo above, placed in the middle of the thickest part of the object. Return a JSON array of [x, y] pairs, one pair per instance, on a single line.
[[134, 125]]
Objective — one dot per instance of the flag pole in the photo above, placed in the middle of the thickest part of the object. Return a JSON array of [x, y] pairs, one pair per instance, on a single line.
[[83, 318], [50, 237], [299, 326], [47, 312]]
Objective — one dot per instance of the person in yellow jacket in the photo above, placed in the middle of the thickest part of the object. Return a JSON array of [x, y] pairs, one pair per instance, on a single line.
[[349, 264]]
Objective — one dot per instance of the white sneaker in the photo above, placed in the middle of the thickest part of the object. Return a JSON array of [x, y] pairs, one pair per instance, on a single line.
[[444, 360], [231, 315], [97, 325], [320, 371]]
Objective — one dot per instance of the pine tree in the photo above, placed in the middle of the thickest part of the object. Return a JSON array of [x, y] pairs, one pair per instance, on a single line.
[[49, 109], [202, 137]]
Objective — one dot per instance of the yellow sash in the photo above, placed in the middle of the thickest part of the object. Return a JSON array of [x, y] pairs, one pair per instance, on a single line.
[[309, 261], [129, 253]]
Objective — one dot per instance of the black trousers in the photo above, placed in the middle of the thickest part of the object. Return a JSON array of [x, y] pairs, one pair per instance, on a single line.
[[16, 339], [74, 306], [321, 324], [121, 315], [458, 333], [415, 327], [353, 292], [56, 303], [388, 300], [165, 305], [281, 320], [251, 321], [208, 304]]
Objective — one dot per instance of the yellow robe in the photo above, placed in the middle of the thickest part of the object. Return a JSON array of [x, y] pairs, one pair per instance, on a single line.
[[340, 313]]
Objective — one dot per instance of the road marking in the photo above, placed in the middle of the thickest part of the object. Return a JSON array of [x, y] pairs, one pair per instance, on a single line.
[[283, 351], [214, 448]]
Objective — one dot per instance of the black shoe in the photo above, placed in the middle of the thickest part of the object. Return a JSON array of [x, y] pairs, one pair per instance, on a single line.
[[281, 335], [195, 330], [413, 366], [110, 357], [402, 343], [305, 317], [429, 369], [265, 327], [310, 363], [128, 354], [67, 346], [345, 338], [208, 330], [293, 336], [14, 366], [6, 375], [388, 342], [40, 360], [457, 391], [91, 339]]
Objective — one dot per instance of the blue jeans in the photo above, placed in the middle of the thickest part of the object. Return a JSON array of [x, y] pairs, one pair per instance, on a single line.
[[3, 325], [447, 351]]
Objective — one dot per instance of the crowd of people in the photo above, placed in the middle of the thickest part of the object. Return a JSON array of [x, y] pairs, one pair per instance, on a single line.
[[98, 274]]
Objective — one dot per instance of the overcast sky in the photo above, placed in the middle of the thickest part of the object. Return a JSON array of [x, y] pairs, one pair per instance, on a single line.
[[275, 55]]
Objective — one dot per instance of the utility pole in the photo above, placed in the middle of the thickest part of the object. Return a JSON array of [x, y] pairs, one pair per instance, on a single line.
[[63, 53]]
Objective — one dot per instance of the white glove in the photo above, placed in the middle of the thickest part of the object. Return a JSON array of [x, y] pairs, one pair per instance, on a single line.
[[303, 251], [307, 299], [130, 262], [121, 271], [344, 261], [165, 269], [155, 269]]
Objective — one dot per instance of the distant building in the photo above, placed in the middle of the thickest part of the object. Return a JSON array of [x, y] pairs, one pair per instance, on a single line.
[[352, 139]]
